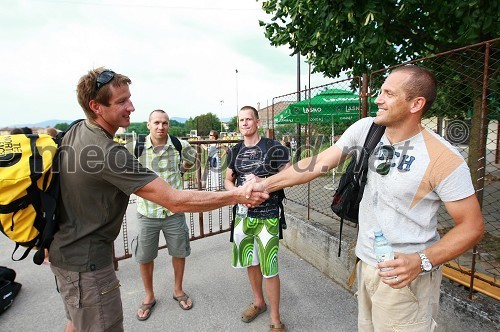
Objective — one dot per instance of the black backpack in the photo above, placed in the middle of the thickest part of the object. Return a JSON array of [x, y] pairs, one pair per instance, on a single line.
[[347, 197], [280, 193], [8, 288]]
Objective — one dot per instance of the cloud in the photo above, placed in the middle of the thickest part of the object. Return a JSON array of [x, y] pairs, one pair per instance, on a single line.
[[181, 56]]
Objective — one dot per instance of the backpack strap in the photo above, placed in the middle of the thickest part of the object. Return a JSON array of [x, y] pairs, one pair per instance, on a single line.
[[177, 144], [60, 135], [283, 225], [50, 199], [36, 165], [374, 135], [361, 168], [139, 145]]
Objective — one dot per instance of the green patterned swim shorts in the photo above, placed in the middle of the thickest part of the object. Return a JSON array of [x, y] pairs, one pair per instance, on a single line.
[[256, 242]]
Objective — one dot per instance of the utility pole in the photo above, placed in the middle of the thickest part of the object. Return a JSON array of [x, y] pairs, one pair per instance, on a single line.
[[237, 107], [221, 102], [299, 139]]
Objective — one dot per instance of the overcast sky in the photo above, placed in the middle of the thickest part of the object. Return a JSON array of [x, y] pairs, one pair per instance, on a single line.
[[181, 56]]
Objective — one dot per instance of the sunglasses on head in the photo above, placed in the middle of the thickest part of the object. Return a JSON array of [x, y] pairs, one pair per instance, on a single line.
[[388, 154], [104, 78]]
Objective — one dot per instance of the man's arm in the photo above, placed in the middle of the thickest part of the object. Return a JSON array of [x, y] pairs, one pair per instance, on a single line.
[[468, 230], [188, 156], [230, 179], [162, 193], [285, 166], [304, 171]]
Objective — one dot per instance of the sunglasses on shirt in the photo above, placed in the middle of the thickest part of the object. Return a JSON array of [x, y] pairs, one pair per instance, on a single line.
[[388, 154]]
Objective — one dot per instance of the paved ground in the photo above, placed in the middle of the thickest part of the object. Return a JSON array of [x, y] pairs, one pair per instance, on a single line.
[[310, 300]]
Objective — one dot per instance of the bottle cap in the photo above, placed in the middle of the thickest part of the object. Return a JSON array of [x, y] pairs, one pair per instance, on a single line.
[[377, 232]]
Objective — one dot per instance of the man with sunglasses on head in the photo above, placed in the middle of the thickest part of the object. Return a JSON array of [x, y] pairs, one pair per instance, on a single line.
[[97, 177], [411, 172]]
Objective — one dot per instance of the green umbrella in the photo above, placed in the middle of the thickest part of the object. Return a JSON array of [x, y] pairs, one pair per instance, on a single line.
[[333, 105]]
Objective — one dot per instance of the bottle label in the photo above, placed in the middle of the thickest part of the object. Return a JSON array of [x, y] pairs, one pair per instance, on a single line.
[[385, 257], [242, 210]]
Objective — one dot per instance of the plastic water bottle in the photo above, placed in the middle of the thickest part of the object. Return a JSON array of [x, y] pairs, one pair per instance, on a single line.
[[241, 209], [382, 248]]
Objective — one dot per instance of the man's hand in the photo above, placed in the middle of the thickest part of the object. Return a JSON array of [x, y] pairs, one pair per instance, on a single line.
[[251, 193], [253, 184], [406, 268], [249, 177]]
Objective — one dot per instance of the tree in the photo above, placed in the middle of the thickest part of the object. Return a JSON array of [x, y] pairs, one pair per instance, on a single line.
[[61, 126], [232, 125], [138, 127], [179, 131], [204, 123], [175, 123], [176, 128], [358, 36]]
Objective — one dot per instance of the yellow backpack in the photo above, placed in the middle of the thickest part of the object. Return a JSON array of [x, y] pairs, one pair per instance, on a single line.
[[29, 190]]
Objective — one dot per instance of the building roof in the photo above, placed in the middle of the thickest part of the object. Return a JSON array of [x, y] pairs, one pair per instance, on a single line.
[[267, 114]]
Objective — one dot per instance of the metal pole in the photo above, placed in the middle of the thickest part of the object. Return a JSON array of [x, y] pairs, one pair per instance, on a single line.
[[221, 102], [299, 141], [364, 96], [237, 107]]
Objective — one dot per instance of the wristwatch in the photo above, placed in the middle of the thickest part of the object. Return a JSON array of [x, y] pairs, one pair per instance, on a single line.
[[426, 265]]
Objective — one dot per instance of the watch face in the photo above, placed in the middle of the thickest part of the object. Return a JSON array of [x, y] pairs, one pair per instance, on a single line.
[[426, 265]]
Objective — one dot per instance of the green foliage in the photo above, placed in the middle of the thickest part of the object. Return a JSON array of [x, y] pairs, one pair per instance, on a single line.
[[175, 123], [233, 124], [138, 127], [203, 123], [282, 130], [179, 131], [176, 128], [62, 126], [359, 36]]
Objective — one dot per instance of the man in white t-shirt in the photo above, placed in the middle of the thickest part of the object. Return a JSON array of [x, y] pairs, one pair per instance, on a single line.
[[411, 172]]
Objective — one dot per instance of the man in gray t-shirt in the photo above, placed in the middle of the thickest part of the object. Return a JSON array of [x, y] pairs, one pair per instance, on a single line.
[[410, 174], [97, 177]]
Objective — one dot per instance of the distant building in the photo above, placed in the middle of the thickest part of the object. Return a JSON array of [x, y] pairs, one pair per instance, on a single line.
[[267, 114]]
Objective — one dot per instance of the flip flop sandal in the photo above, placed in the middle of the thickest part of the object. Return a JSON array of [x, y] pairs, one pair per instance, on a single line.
[[184, 298], [277, 328], [252, 312], [146, 307]]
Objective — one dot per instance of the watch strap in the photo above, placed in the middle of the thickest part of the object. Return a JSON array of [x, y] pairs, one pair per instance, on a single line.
[[424, 260]]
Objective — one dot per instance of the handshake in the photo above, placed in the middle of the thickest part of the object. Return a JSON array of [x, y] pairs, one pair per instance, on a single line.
[[252, 193]]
